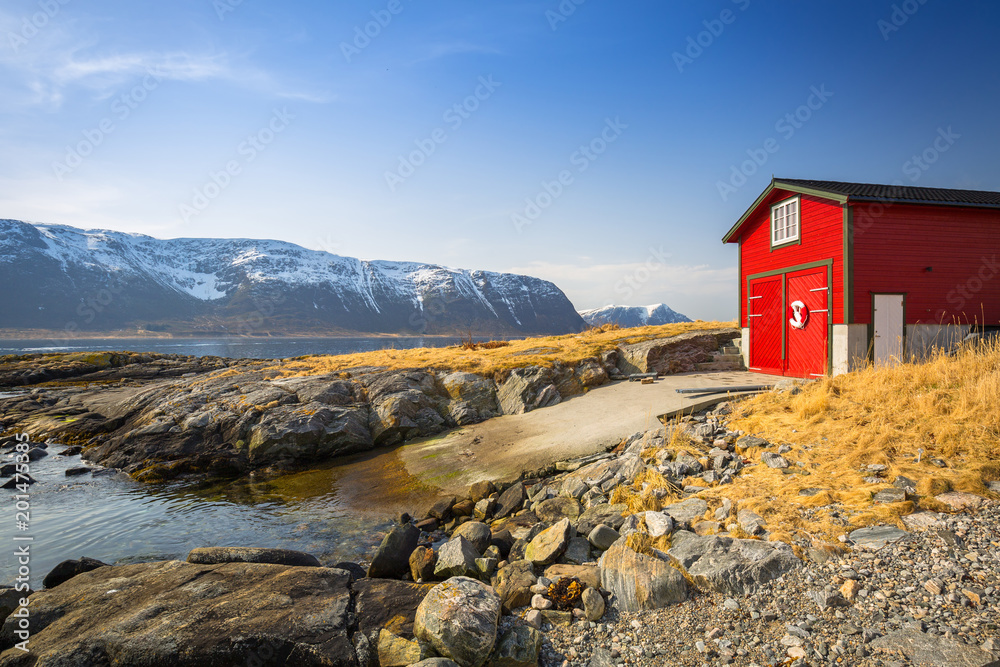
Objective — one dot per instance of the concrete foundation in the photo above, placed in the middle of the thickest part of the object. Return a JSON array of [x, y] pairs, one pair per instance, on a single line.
[[850, 347], [745, 346]]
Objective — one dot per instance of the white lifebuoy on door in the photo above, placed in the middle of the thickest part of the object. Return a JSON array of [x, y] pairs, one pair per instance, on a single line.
[[800, 315]]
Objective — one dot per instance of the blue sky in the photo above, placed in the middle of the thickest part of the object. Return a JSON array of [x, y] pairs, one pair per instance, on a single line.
[[592, 143]]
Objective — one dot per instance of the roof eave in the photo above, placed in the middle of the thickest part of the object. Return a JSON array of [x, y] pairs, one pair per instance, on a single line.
[[920, 202]]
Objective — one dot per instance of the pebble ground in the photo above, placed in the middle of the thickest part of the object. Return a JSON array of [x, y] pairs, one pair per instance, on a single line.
[[945, 582]]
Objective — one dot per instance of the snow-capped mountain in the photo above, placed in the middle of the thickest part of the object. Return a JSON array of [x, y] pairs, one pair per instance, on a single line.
[[59, 277], [632, 316]]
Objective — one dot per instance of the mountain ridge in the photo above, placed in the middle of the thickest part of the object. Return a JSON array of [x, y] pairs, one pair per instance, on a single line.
[[633, 316], [66, 278]]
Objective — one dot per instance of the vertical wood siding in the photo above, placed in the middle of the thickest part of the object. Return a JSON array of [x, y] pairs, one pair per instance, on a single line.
[[895, 243]]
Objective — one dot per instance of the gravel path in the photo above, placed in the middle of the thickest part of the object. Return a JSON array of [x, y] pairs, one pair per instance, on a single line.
[[939, 589]]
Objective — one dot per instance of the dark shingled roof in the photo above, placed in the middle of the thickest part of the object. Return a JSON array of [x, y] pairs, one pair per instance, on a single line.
[[898, 193], [858, 192]]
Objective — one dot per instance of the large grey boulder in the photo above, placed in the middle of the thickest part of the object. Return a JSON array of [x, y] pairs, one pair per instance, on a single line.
[[510, 500], [456, 558], [325, 389], [602, 537], [459, 618], [728, 565], [687, 512], [387, 603], [612, 516], [640, 582], [527, 389], [473, 397], [519, 646], [924, 649], [554, 509], [404, 405], [550, 544], [772, 460], [308, 431], [477, 533], [171, 613], [658, 523], [68, 569], [392, 558], [513, 583], [876, 537]]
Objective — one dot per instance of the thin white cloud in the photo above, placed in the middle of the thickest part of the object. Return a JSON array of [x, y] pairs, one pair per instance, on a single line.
[[61, 59]]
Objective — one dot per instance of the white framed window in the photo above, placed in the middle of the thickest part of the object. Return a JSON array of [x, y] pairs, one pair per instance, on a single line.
[[785, 222]]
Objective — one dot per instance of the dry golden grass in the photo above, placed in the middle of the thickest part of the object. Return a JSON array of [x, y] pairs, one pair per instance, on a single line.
[[947, 406], [497, 360]]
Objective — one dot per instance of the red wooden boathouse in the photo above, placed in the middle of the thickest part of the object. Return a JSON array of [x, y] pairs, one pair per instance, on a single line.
[[835, 275]]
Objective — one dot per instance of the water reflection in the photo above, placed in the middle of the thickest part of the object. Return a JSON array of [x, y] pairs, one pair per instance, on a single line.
[[336, 512]]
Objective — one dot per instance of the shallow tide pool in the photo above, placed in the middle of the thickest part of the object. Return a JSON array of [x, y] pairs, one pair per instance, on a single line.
[[337, 512]]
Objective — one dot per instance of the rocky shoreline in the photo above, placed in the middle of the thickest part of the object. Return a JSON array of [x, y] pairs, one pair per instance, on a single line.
[[549, 571], [157, 417]]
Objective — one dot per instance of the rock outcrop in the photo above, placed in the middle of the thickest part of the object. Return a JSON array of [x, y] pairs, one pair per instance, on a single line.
[[174, 613], [729, 565], [640, 581], [458, 619]]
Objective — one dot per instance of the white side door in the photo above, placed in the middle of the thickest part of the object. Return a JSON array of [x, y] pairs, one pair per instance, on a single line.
[[888, 329]]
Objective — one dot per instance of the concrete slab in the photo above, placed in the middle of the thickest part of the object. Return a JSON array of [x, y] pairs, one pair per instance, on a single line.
[[499, 449]]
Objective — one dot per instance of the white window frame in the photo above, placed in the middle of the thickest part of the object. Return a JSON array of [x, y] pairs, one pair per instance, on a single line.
[[788, 238]]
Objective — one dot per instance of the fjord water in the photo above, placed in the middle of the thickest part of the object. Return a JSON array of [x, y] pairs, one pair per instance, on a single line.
[[238, 347], [336, 512]]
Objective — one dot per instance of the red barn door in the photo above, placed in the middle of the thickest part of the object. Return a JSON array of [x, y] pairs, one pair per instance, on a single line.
[[765, 322], [807, 316]]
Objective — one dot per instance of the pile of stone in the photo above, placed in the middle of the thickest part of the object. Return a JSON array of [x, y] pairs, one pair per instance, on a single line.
[[927, 596]]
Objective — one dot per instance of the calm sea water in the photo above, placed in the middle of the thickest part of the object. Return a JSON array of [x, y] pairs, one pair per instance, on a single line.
[[237, 347], [337, 512]]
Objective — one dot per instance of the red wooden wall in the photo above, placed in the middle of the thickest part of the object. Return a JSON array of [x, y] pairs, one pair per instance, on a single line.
[[895, 243], [822, 236]]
